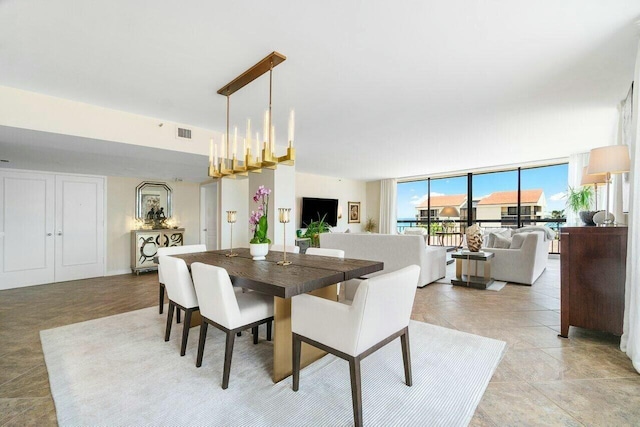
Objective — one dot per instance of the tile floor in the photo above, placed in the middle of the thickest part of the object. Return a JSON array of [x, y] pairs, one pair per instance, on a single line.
[[542, 380]]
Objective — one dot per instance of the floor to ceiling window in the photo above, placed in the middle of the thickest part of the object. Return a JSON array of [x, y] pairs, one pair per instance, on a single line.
[[509, 198]]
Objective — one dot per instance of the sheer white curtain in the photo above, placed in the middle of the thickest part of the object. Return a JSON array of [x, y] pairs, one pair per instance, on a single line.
[[630, 342], [388, 200]]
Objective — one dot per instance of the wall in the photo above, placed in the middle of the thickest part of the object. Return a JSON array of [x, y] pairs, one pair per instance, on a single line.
[[29, 110], [233, 196], [345, 190], [373, 201], [120, 216]]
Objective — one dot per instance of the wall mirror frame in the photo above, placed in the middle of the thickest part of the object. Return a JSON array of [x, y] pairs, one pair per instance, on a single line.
[[156, 195]]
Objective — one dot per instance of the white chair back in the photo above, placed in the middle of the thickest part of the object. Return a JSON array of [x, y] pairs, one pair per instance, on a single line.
[[336, 253], [177, 250], [217, 298], [292, 249], [178, 281], [385, 303]]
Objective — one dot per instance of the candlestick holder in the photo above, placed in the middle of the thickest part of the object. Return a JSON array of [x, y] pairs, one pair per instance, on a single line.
[[231, 219], [284, 217]]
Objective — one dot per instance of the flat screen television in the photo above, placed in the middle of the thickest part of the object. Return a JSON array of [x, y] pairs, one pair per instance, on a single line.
[[312, 207]]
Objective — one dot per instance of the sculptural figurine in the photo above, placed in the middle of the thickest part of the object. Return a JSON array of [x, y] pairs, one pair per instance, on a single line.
[[160, 214], [151, 214], [474, 238]]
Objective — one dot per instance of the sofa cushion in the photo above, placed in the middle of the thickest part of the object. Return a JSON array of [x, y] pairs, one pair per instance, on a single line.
[[489, 240], [500, 242], [517, 240]]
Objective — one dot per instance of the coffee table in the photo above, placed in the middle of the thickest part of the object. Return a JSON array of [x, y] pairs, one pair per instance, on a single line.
[[468, 280]]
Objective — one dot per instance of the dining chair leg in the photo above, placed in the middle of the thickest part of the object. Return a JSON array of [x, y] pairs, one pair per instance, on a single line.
[[161, 298], [228, 352], [356, 390], [269, 324], [254, 331], [296, 347], [178, 314], [406, 357], [167, 331], [201, 341], [185, 330]]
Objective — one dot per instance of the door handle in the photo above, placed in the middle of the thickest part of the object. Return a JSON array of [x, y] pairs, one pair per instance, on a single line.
[[49, 234], [204, 229], [59, 233]]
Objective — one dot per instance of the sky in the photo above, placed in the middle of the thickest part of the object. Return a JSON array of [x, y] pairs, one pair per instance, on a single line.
[[551, 179]]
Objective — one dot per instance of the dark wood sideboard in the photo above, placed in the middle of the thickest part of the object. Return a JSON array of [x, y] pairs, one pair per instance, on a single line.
[[593, 270]]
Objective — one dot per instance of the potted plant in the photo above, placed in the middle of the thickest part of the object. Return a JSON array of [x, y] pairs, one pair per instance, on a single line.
[[314, 229], [370, 225], [579, 201], [259, 244]]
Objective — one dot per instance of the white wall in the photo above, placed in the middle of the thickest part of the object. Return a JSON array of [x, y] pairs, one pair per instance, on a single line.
[[30, 110], [281, 182], [121, 199], [345, 190], [373, 201], [233, 196]]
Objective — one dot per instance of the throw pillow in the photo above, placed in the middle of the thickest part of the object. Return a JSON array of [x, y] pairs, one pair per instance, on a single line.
[[500, 242], [517, 240]]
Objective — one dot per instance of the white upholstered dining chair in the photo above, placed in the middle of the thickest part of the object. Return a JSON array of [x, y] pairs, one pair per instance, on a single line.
[[229, 311], [336, 253], [353, 332], [181, 293], [173, 250], [292, 249]]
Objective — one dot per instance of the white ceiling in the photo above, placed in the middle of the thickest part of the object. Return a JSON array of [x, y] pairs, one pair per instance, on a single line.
[[380, 88]]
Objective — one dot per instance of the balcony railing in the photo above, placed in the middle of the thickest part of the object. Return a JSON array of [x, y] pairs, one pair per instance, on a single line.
[[449, 233]]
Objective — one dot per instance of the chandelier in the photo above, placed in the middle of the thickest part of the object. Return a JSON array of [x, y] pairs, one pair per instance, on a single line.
[[231, 164]]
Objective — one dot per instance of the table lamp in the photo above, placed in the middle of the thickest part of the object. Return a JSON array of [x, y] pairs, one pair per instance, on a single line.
[[284, 217], [449, 211], [594, 179], [612, 159], [231, 219]]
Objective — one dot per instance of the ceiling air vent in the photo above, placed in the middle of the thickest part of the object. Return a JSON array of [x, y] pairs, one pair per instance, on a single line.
[[183, 133]]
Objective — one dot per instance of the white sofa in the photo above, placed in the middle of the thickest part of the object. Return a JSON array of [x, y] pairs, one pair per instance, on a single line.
[[522, 265], [395, 251]]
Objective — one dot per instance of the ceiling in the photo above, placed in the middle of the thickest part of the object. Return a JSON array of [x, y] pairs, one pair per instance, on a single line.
[[380, 89]]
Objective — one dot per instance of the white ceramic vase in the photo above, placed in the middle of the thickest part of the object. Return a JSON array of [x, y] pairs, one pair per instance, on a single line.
[[258, 250]]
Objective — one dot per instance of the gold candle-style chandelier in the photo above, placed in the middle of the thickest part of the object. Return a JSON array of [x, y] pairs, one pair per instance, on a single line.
[[239, 166]]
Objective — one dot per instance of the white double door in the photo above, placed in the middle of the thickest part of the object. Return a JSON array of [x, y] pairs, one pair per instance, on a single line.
[[51, 228]]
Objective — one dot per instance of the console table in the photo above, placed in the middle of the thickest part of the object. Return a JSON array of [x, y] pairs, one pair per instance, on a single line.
[[145, 244], [592, 278]]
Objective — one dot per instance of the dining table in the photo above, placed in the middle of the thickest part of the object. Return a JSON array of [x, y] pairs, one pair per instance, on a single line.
[[313, 274]]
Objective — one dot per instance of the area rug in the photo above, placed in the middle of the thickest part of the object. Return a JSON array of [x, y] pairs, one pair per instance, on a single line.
[[118, 371]]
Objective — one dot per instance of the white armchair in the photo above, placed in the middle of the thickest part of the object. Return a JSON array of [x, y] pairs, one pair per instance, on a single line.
[[335, 253], [181, 293], [352, 332], [227, 310], [292, 249], [173, 250]]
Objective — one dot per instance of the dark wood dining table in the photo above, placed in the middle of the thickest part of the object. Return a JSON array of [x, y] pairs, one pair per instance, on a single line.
[[317, 275]]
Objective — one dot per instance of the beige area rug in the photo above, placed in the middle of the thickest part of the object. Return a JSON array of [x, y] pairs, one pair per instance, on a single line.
[[118, 371]]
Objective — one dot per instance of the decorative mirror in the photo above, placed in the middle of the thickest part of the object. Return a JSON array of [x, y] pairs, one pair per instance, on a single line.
[[153, 202]]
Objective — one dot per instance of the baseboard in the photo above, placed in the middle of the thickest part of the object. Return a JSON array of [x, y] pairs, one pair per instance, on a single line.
[[118, 272]]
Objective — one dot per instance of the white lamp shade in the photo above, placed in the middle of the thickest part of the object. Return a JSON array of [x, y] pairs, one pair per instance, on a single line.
[[609, 159], [449, 211], [595, 179]]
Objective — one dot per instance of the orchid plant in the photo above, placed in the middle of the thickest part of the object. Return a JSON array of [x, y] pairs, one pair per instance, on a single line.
[[258, 219]]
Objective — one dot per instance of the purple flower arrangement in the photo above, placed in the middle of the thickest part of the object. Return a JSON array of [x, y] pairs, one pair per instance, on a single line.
[[258, 219]]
